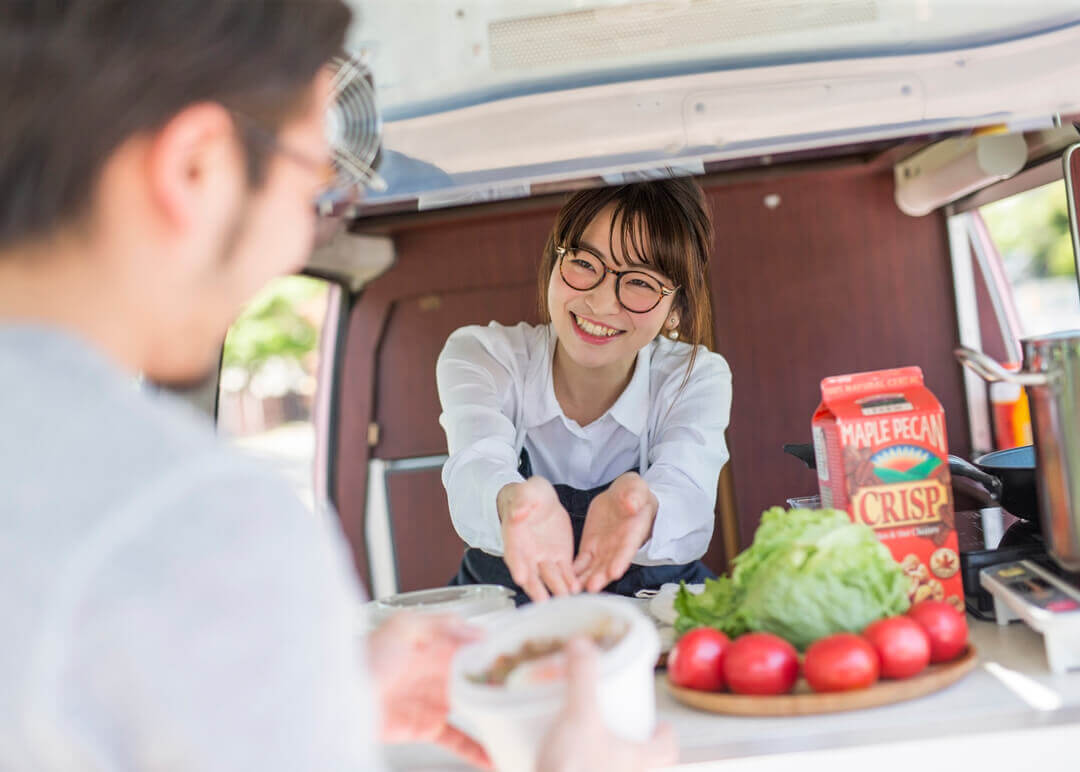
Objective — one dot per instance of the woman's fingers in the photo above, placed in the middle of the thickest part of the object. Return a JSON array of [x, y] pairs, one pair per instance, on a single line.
[[534, 588], [519, 570], [597, 580], [568, 576], [582, 561], [552, 576], [620, 561]]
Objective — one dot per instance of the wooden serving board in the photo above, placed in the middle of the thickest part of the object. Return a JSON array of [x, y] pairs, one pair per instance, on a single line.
[[804, 702]]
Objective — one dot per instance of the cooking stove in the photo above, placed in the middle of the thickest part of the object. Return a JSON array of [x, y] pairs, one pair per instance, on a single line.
[[1017, 580]]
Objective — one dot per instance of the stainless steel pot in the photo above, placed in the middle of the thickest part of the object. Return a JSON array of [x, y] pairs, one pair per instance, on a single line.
[[1051, 376]]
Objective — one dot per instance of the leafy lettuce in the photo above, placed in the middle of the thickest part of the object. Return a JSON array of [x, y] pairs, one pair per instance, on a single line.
[[808, 574]]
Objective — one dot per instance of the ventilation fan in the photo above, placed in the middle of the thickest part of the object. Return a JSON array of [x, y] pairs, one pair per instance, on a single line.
[[354, 130]]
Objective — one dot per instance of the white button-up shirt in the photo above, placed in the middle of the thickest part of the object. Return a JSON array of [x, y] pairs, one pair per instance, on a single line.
[[497, 394]]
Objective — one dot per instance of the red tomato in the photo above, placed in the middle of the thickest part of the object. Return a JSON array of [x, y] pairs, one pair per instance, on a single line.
[[696, 661], [840, 663], [946, 627], [904, 647], [761, 663]]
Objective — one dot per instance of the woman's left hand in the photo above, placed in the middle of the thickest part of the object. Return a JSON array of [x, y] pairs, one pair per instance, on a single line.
[[618, 522]]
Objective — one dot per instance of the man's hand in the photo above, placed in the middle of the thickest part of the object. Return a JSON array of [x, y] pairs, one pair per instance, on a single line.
[[409, 659], [579, 740], [538, 542], [619, 521]]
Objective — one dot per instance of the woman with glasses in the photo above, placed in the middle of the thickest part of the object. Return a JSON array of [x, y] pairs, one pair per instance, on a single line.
[[585, 452]]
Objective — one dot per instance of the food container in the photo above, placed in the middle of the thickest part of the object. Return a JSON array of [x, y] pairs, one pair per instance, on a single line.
[[477, 603], [511, 721], [804, 502], [881, 454]]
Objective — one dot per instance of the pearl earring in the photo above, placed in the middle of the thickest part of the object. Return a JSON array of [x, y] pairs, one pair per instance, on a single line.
[[673, 323]]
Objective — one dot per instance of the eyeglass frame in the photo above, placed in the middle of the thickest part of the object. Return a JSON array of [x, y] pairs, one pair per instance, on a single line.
[[333, 188], [562, 251]]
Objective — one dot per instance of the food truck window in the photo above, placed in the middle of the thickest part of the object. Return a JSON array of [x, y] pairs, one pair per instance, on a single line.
[[1030, 234], [275, 355]]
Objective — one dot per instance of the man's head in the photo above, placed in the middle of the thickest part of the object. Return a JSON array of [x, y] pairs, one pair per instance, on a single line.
[[165, 154]]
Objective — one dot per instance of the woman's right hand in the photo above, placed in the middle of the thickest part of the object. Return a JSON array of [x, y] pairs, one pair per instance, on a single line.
[[538, 542]]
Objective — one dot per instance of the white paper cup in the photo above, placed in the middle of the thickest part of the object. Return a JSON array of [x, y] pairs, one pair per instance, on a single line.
[[512, 722]]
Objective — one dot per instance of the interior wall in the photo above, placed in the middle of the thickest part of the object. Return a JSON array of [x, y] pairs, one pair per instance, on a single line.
[[832, 279]]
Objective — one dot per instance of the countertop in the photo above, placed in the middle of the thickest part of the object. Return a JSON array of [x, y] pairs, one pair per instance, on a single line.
[[1009, 711]]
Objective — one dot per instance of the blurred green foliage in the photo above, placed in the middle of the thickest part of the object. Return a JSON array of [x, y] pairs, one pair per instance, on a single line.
[[1033, 228], [274, 323]]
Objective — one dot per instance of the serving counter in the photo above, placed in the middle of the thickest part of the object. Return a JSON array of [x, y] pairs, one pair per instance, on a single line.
[[1010, 712]]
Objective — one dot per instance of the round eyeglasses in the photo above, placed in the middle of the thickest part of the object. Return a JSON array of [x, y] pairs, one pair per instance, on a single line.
[[638, 292]]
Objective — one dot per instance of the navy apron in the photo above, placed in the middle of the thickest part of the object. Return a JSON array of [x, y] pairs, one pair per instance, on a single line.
[[478, 567]]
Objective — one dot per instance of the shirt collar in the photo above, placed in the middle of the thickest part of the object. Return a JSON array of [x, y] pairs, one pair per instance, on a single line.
[[540, 403], [631, 409]]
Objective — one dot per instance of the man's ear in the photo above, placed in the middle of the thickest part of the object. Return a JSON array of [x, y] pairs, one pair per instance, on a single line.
[[194, 164]]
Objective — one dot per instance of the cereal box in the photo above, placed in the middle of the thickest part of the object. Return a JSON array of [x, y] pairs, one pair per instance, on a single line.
[[881, 452]]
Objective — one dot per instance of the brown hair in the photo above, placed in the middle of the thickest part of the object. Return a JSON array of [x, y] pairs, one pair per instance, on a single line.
[[663, 223], [78, 77]]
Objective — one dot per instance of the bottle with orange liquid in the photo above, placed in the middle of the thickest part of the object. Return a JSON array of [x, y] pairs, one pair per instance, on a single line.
[[1011, 414]]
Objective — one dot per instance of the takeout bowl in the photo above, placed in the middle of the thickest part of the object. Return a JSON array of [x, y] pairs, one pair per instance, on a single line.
[[511, 722]]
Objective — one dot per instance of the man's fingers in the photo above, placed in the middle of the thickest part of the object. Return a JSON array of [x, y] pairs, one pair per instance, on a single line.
[[581, 678], [456, 628], [662, 749], [552, 576], [463, 746]]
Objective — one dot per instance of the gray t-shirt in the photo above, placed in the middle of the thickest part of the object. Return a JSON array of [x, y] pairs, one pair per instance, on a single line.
[[166, 603]]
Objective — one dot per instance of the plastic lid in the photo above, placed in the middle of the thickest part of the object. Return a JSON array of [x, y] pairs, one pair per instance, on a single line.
[[466, 601], [1003, 391]]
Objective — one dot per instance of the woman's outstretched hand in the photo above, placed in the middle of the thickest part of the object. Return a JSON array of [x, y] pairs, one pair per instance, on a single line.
[[619, 521], [538, 542]]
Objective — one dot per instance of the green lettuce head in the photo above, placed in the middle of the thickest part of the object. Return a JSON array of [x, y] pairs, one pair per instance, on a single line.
[[808, 574]]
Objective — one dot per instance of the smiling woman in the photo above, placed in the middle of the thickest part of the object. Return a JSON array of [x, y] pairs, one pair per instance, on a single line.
[[593, 443]]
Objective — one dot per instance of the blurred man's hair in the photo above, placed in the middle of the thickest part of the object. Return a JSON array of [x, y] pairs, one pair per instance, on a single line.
[[79, 77]]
